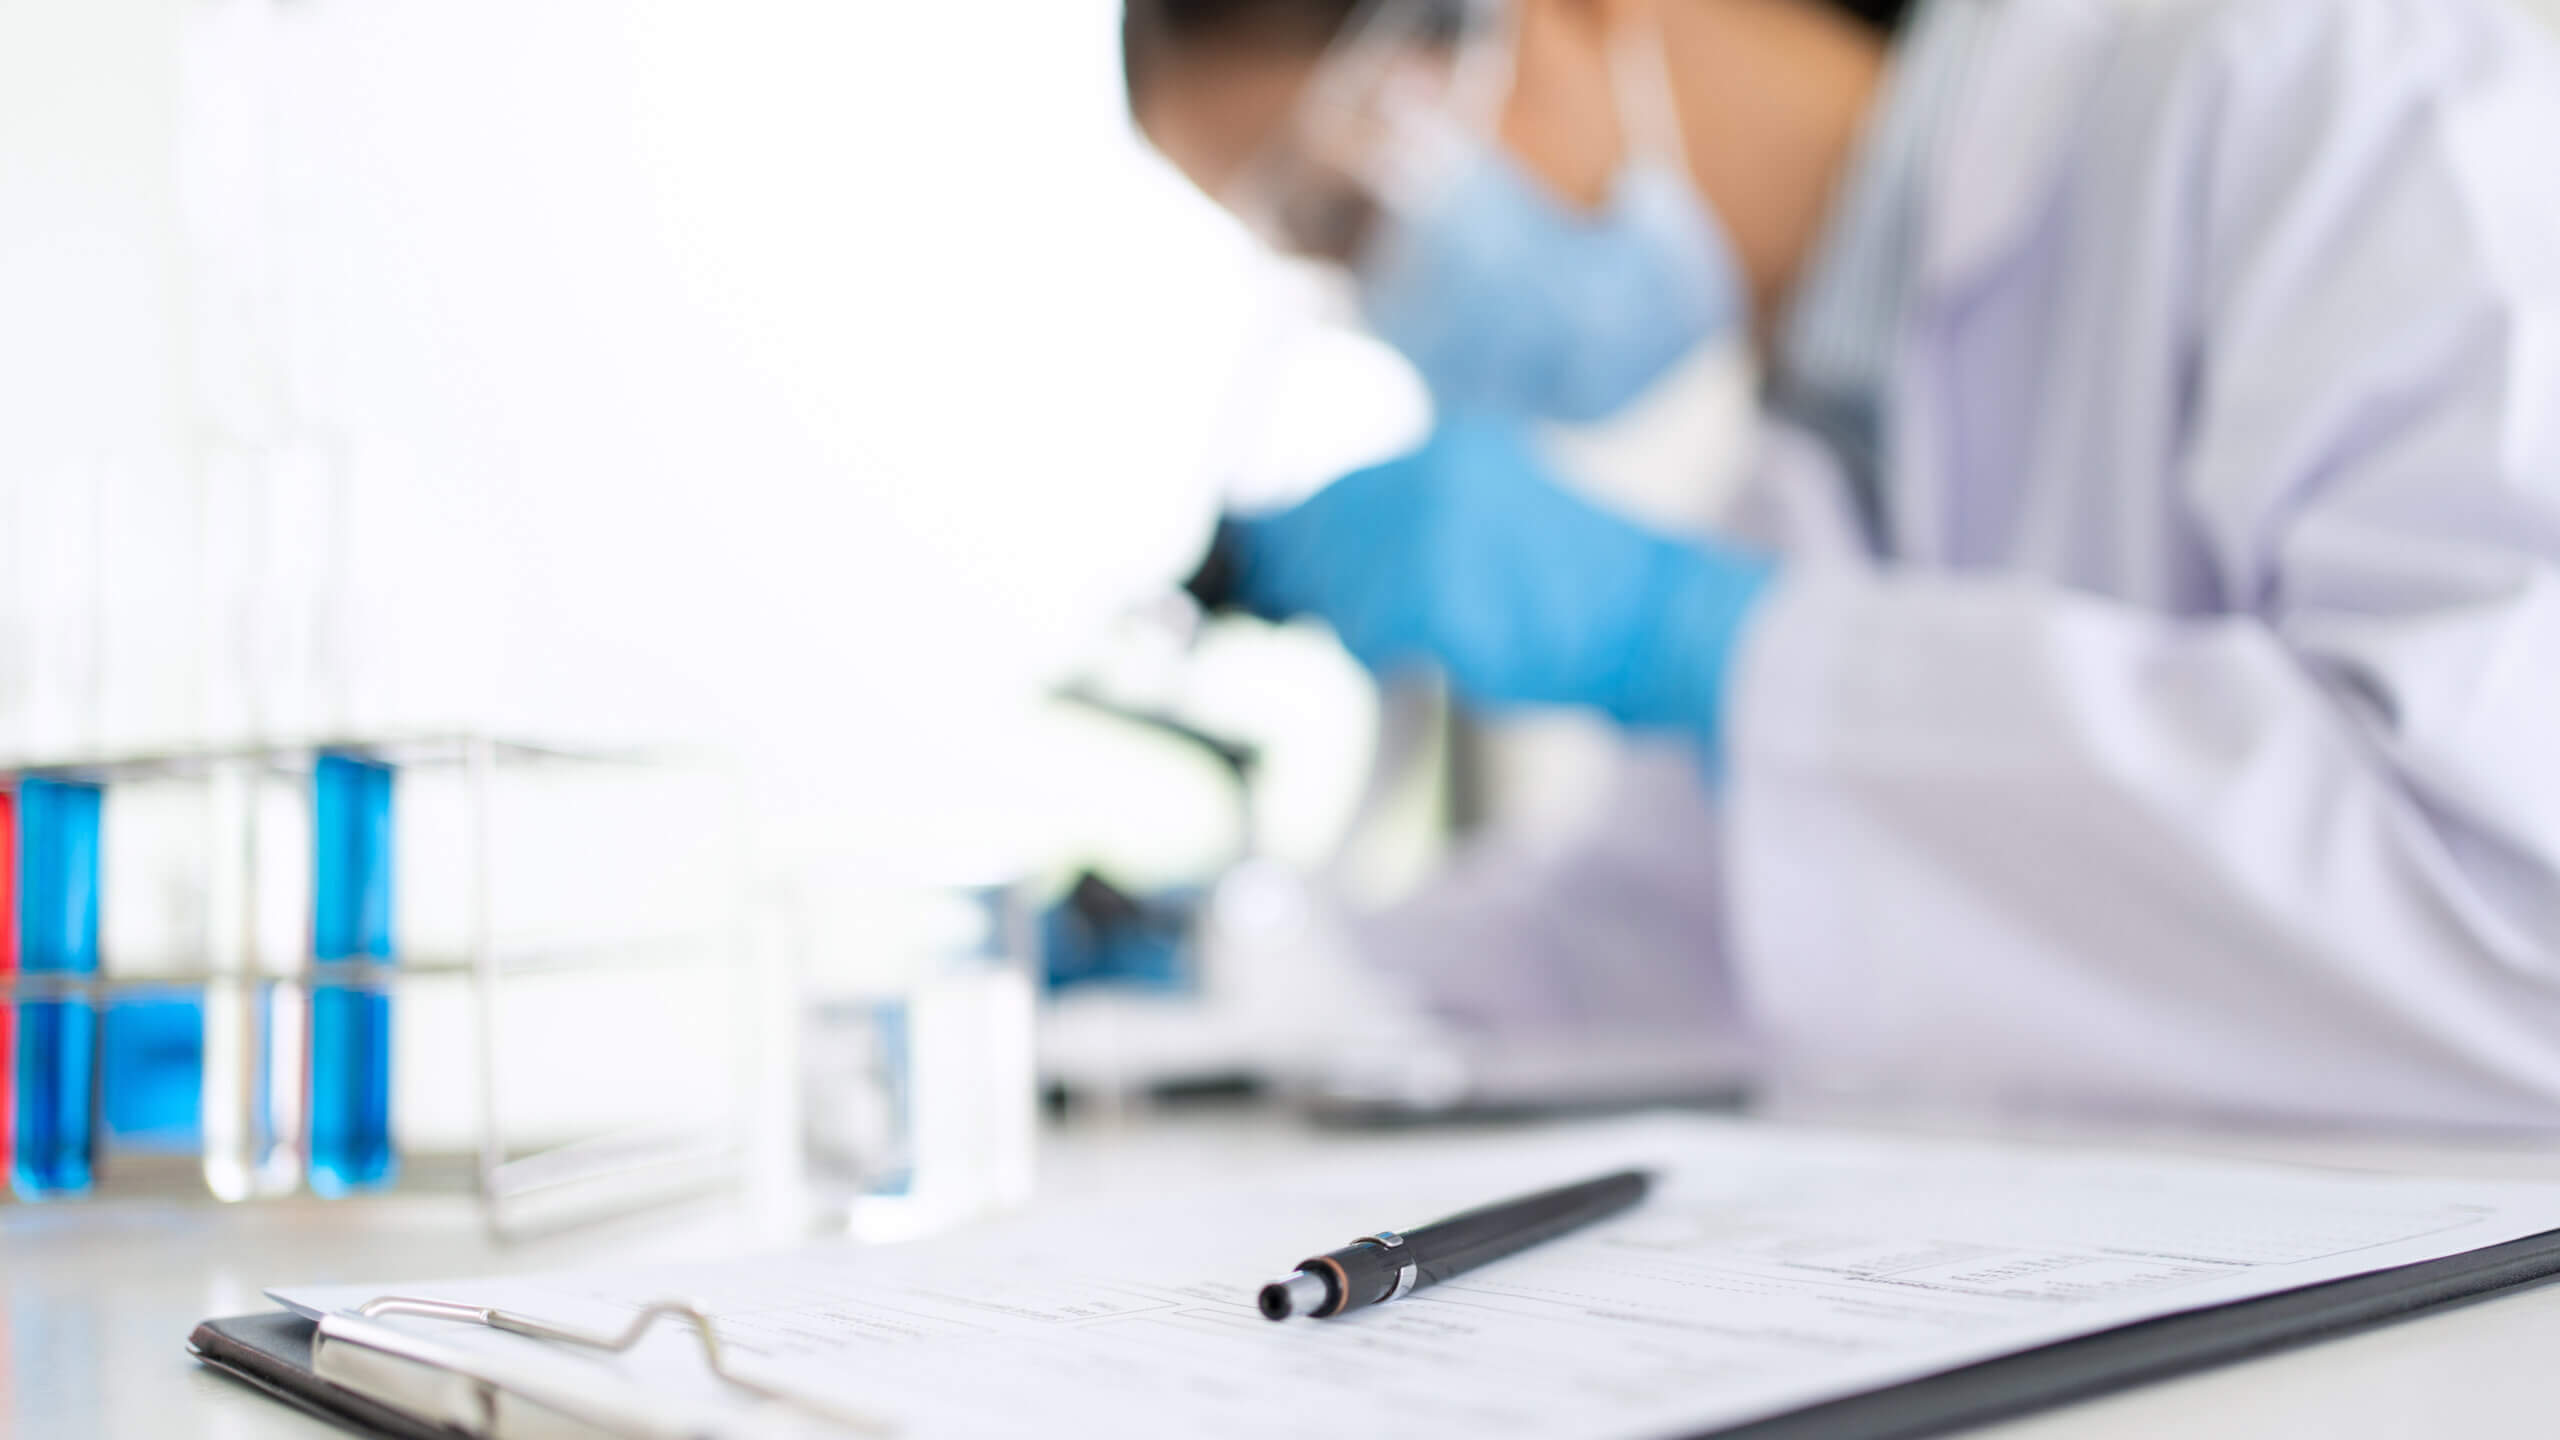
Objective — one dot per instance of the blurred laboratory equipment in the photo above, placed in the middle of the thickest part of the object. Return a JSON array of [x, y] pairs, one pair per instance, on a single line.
[[212, 979], [1205, 981], [917, 1106], [1300, 975]]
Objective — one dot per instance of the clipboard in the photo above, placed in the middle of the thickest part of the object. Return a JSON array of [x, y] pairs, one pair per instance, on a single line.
[[378, 1381], [364, 1375]]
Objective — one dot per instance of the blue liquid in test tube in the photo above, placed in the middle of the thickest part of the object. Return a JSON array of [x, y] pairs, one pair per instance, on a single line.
[[57, 1038], [151, 1050], [351, 1025]]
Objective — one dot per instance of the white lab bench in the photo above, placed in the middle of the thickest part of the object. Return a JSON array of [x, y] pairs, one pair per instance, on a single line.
[[97, 1297]]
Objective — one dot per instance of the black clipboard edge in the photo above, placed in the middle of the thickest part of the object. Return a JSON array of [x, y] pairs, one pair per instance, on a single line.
[[2154, 1350], [272, 1352]]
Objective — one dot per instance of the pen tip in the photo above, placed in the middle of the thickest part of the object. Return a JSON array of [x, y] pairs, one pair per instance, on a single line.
[[1300, 1294]]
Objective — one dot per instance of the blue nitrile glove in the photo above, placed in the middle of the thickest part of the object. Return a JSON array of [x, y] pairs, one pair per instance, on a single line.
[[1465, 555]]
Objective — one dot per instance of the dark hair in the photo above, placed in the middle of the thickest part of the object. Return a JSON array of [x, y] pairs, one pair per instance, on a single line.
[[1885, 15], [1151, 26]]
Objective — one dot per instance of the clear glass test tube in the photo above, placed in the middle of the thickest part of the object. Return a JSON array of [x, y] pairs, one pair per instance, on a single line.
[[918, 1097], [242, 1143]]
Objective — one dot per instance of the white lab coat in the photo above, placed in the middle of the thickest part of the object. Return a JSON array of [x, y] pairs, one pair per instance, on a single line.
[[2196, 746]]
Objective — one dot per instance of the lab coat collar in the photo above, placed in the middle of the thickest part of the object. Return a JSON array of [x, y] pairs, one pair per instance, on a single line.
[[1994, 169], [1997, 166]]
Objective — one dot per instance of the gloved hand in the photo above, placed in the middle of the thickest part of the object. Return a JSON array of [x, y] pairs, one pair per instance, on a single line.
[[1465, 555]]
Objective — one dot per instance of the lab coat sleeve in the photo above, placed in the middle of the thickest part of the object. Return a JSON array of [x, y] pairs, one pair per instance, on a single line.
[[1611, 930], [1994, 840]]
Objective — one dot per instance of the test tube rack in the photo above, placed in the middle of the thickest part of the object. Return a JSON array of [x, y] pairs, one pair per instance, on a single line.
[[294, 1069]]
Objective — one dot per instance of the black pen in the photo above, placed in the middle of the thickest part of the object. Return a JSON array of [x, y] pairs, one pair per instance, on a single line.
[[1389, 1266]]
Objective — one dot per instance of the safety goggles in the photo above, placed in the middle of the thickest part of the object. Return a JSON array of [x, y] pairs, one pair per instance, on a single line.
[[1376, 126]]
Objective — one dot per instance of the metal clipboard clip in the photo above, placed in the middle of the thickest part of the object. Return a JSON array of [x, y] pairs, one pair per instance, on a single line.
[[495, 1397]]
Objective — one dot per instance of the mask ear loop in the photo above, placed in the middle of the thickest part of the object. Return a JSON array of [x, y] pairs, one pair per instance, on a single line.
[[1488, 57], [1648, 107]]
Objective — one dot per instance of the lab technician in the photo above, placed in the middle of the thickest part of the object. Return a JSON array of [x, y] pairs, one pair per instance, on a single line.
[[2134, 677]]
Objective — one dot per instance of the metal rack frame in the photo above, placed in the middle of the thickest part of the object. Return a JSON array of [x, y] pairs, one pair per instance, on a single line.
[[520, 1194]]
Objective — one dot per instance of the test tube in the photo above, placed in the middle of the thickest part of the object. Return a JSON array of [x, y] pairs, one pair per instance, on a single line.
[[8, 976], [239, 1131], [350, 1112], [57, 884], [151, 1023]]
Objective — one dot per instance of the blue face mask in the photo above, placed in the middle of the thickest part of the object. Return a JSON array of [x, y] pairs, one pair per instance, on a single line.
[[1509, 303]]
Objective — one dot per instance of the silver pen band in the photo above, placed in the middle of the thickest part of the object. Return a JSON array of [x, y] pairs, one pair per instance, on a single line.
[[1406, 1270]]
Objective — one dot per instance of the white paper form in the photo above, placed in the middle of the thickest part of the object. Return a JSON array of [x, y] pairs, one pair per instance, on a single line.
[[1771, 1269]]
